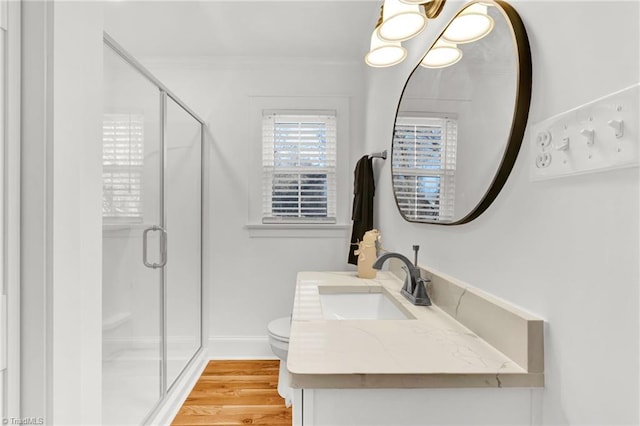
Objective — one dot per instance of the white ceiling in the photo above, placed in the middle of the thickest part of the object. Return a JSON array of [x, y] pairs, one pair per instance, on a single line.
[[321, 29]]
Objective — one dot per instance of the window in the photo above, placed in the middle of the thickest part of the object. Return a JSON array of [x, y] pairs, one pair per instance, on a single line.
[[122, 166], [299, 168], [424, 163]]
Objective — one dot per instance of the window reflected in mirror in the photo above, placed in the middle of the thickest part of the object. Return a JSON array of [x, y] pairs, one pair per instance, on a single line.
[[461, 117], [424, 165]]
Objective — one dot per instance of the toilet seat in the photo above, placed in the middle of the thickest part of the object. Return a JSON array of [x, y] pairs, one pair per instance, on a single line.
[[280, 329]]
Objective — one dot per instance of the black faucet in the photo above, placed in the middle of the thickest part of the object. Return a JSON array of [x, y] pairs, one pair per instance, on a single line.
[[414, 285]]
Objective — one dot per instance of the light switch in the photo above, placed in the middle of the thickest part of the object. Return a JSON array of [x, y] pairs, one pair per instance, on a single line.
[[618, 127], [589, 135], [597, 136], [563, 145]]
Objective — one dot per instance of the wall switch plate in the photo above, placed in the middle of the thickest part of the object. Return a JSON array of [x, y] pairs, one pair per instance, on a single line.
[[597, 136]]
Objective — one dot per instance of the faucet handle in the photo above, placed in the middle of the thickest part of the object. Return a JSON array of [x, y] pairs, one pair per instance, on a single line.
[[415, 258]]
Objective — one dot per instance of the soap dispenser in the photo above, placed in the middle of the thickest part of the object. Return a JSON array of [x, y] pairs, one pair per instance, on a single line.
[[367, 254]]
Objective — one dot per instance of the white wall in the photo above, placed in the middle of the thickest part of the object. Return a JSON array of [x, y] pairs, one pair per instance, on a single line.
[[76, 212], [564, 249], [61, 211], [253, 279]]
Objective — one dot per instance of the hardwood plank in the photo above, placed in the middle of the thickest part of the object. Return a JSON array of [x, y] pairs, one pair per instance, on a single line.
[[235, 397], [240, 378], [217, 384], [233, 415], [234, 368], [234, 393]]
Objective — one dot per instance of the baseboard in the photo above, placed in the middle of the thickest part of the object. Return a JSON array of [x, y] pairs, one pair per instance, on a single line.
[[240, 347], [179, 392]]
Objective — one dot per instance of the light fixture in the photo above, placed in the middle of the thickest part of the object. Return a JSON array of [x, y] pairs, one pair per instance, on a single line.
[[401, 21], [471, 24], [432, 8], [441, 55], [384, 53]]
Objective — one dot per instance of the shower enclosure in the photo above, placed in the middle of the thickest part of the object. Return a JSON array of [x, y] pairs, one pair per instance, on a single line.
[[152, 232]]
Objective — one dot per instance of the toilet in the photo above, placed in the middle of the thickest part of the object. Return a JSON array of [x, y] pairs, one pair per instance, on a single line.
[[279, 330]]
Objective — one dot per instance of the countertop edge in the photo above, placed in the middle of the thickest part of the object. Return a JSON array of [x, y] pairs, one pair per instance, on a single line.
[[416, 381]]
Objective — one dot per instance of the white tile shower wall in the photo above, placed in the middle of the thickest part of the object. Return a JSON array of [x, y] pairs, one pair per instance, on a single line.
[[253, 279], [565, 250]]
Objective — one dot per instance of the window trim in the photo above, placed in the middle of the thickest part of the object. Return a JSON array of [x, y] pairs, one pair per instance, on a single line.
[[296, 104]]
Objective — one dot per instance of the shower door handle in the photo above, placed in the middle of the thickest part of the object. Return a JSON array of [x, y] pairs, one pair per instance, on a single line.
[[163, 247]]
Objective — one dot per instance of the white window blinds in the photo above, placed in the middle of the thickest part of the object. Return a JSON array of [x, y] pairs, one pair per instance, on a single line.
[[299, 168], [122, 166], [424, 163]]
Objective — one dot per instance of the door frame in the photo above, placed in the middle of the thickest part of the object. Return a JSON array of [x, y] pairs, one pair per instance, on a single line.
[[11, 205]]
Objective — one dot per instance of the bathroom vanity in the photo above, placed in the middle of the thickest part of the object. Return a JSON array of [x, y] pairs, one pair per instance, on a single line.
[[361, 354]]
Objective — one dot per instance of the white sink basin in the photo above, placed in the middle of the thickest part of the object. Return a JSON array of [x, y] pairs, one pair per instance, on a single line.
[[360, 306]]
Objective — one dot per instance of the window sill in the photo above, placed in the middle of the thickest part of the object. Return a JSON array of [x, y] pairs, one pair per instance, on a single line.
[[297, 230]]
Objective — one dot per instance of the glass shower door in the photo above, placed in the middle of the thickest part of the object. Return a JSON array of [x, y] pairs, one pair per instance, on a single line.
[[133, 244], [183, 142]]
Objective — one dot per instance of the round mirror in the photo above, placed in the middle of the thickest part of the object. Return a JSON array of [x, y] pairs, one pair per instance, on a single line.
[[461, 117]]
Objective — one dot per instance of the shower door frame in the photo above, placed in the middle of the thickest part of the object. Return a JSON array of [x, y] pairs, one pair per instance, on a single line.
[[165, 93]]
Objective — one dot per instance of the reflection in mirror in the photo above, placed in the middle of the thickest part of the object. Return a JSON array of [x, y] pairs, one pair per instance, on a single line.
[[460, 120]]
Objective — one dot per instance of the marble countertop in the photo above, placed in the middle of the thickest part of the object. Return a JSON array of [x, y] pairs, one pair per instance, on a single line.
[[432, 350]]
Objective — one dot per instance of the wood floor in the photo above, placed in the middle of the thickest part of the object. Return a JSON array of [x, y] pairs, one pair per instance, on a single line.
[[233, 393]]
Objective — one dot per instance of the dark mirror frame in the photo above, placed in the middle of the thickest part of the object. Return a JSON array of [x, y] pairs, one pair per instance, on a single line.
[[520, 114]]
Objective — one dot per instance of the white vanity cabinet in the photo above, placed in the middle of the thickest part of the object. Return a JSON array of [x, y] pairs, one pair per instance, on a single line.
[[412, 407]]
